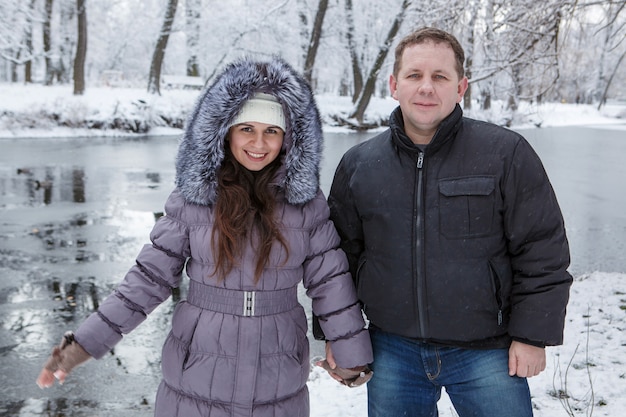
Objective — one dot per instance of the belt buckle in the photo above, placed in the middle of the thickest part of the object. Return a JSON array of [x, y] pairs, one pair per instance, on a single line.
[[249, 300]]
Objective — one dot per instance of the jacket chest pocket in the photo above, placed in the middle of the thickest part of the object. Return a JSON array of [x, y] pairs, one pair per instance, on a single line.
[[466, 206]]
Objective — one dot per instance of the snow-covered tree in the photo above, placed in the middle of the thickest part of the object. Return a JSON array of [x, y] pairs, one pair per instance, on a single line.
[[370, 82], [154, 77], [314, 43], [81, 48], [613, 49], [573, 50], [193, 13]]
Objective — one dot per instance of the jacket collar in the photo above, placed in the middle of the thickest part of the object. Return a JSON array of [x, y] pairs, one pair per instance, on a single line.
[[445, 132]]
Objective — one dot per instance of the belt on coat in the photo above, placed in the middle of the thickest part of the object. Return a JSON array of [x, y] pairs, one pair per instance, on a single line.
[[242, 303]]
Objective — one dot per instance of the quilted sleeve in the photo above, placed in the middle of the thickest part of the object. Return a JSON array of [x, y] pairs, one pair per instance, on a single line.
[[147, 284], [330, 287]]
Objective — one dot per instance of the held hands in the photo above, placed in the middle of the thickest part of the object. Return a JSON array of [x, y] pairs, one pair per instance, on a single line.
[[63, 359], [526, 360], [351, 377]]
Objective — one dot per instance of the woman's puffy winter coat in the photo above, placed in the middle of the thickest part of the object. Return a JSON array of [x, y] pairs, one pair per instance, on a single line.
[[237, 348]]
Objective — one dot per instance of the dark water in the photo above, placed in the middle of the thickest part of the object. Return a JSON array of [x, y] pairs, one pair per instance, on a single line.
[[75, 212], [587, 169]]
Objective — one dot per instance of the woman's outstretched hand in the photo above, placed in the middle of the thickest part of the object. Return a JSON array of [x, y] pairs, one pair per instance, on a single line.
[[63, 359]]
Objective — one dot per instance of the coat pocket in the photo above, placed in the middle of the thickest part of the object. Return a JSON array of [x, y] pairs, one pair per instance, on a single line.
[[467, 206], [502, 282]]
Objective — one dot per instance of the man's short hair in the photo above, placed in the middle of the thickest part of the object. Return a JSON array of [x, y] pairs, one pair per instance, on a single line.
[[429, 34]]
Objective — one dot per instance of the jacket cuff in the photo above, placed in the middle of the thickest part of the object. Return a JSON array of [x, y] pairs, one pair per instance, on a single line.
[[529, 342], [318, 333], [96, 336], [353, 351]]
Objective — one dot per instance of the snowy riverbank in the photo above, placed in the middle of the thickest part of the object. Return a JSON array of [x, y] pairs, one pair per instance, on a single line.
[[53, 111]]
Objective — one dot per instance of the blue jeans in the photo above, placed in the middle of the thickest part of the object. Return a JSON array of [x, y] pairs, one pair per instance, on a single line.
[[408, 376]]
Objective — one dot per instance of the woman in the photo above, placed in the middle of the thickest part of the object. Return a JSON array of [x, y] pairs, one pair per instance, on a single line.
[[248, 222]]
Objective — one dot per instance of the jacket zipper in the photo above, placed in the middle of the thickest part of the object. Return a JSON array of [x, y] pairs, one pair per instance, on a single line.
[[420, 294]]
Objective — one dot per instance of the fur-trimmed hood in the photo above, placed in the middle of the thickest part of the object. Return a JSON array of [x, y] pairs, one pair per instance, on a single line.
[[201, 149]]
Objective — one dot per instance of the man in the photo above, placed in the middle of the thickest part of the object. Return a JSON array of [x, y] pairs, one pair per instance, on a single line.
[[457, 246]]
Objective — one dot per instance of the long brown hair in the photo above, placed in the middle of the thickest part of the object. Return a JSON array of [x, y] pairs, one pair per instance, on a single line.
[[245, 203]]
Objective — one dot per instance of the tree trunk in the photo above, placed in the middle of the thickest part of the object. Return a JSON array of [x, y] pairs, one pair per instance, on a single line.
[[28, 65], [370, 84], [65, 55], [192, 26], [47, 41], [469, 54], [614, 36], [487, 90], [512, 102], [357, 76], [610, 80], [14, 76], [316, 34], [303, 21], [81, 48], [154, 78]]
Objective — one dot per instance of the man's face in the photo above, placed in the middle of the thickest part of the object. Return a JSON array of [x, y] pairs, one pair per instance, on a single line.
[[427, 87]]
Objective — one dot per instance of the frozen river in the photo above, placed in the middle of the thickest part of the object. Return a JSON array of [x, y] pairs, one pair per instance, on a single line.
[[75, 212]]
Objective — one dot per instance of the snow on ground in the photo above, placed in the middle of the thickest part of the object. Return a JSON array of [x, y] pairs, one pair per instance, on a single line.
[[584, 377]]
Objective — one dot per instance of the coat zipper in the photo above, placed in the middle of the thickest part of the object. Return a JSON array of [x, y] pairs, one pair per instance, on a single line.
[[420, 293]]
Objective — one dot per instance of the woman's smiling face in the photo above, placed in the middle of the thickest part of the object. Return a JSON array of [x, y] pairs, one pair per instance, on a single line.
[[255, 145]]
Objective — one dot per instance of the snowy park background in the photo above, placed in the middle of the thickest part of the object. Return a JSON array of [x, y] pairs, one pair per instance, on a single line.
[[586, 376], [533, 65]]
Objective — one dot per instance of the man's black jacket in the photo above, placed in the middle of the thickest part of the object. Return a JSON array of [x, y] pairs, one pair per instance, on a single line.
[[462, 244]]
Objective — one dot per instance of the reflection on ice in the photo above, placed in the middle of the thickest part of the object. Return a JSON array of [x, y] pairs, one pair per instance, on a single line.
[[58, 407]]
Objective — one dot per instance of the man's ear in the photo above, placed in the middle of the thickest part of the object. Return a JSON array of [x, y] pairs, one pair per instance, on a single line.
[[393, 86], [462, 88]]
